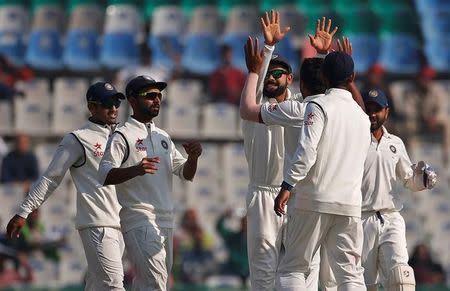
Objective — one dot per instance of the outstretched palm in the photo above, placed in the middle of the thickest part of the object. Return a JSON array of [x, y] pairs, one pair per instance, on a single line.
[[271, 28], [323, 38]]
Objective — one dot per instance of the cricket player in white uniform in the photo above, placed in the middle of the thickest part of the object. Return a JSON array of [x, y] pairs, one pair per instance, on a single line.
[[140, 159], [264, 150], [97, 217], [327, 171], [385, 256]]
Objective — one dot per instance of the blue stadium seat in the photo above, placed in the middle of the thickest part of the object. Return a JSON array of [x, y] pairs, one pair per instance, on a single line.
[[436, 23], [425, 6], [201, 54], [286, 49], [164, 49], [365, 50], [13, 25], [438, 54], [237, 41], [12, 46], [400, 53], [44, 50], [81, 50], [119, 49]]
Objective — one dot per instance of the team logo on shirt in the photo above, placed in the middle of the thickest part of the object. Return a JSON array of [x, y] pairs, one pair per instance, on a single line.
[[164, 144], [98, 150], [310, 118], [140, 145], [393, 149], [272, 107]]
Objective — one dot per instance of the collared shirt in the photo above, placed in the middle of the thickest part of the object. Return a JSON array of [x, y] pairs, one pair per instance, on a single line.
[[81, 152], [328, 165], [144, 199], [387, 161], [289, 114]]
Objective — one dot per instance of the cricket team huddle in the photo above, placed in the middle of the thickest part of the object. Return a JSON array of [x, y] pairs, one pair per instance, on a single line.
[[321, 210]]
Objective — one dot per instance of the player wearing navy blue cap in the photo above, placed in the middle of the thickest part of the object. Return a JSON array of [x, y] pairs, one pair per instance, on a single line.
[[97, 217], [141, 160], [384, 255]]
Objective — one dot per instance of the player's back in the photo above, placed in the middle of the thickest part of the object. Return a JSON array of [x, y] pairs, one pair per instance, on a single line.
[[333, 184]]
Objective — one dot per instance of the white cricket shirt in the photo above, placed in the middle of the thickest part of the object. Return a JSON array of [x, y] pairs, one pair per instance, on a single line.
[[328, 165], [81, 151], [387, 162], [148, 198]]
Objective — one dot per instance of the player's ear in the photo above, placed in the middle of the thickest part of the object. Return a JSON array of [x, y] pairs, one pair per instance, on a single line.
[[290, 78], [352, 77], [387, 112]]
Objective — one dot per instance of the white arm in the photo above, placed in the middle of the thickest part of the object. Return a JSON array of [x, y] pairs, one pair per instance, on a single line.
[[68, 153]]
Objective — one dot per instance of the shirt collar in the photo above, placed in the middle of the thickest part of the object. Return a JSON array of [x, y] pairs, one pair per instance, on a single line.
[[100, 126], [339, 91], [148, 125], [288, 97], [311, 97], [386, 135]]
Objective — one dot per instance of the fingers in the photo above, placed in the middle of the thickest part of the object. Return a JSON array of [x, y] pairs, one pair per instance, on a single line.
[[12, 230], [266, 19], [256, 47], [339, 46], [311, 40], [329, 25], [317, 26], [248, 46], [334, 31], [323, 24], [277, 17], [151, 160], [286, 30]]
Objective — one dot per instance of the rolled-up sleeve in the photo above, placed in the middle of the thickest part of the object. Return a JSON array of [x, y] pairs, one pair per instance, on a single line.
[[178, 162], [306, 154], [289, 113], [69, 153], [116, 152]]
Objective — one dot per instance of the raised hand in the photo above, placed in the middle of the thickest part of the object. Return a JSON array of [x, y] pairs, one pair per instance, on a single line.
[[253, 56], [14, 226], [345, 46], [323, 38], [193, 149], [271, 28]]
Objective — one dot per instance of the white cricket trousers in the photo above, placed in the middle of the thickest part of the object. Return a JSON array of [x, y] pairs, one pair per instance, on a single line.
[[265, 235], [103, 247], [384, 245], [306, 231], [150, 249]]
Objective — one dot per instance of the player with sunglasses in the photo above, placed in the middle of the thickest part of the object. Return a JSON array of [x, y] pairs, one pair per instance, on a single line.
[[140, 160], [97, 217]]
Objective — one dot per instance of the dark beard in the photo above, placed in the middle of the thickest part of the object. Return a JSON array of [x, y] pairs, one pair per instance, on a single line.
[[376, 126], [277, 92]]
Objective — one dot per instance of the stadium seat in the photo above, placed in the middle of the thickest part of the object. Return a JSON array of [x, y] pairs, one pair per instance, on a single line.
[[365, 51], [75, 4], [119, 47], [436, 24], [165, 49], [267, 5], [150, 5], [167, 20], [32, 113], [236, 41], [358, 21], [182, 121], [312, 16], [201, 54], [400, 54], [382, 6], [438, 54], [341, 6], [425, 6], [86, 17], [69, 109], [225, 6], [205, 19], [38, 4], [188, 92], [6, 125], [81, 51], [11, 41], [286, 49], [242, 19], [219, 121], [291, 17], [189, 6], [398, 21], [313, 6]]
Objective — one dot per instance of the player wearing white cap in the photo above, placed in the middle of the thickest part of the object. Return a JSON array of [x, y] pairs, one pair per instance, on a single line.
[[327, 171], [141, 159], [385, 256], [97, 218]]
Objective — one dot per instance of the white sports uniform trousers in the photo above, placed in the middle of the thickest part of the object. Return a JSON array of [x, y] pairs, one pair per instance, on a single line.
[[151, 252], [103, 247], [306, 231], [265, 235], [384, 246]]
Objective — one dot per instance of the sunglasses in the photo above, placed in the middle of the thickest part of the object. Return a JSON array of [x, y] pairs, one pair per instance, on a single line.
[[151, 95], [108, 104], [276, 74]]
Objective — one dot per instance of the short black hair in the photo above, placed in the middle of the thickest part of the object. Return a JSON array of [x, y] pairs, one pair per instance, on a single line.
[[311, 75]]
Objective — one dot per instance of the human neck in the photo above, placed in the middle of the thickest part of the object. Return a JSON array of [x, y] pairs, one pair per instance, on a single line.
[[378, 133], [142, 119], [282, 97]]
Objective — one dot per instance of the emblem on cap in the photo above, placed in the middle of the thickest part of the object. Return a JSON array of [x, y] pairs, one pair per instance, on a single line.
[[108, 86], [373, 93], [148, 77], [274, 56], [393, 149]]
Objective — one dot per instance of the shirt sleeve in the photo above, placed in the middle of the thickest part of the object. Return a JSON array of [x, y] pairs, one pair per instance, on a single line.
[[115, 154], [178, 162], [289, 113], [405, 171], [68, 153], [268, 51], [306, 153]]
